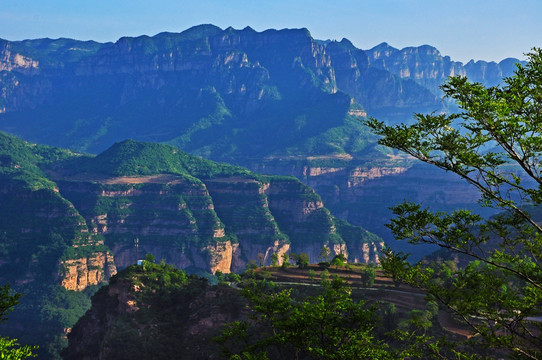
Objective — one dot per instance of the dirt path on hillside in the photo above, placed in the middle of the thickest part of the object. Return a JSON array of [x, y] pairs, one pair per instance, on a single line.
[[155, 179]]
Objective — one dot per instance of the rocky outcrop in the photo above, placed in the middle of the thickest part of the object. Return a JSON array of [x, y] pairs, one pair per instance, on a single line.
[[134, 307], [11, 60], [221, 256], [366, 253], [95, 269], [116, 300]]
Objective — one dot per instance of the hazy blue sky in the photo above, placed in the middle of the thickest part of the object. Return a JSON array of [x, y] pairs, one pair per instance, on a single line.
[[463, 29]]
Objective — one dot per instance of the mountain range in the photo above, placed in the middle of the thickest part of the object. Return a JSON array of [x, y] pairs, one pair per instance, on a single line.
[[224, 94]]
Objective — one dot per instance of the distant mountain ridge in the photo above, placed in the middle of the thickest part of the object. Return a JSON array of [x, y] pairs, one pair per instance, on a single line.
[[214, 92], [425, 65]]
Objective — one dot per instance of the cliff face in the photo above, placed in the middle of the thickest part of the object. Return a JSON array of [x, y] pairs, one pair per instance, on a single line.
[[357, 76], [363, 195], [67, 221], [219, 224], [94, 269], [11, 60], [45, 239]]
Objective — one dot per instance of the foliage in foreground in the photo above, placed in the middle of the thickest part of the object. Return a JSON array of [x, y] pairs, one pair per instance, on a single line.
[[10, 348], [495, 144]]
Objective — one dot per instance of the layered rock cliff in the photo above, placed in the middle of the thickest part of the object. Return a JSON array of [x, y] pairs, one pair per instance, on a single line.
[[136, 198], [216, 224]]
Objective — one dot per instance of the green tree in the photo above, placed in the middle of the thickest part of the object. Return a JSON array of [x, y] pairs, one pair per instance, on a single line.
[[302, 260], [150, 258], [324, 275], [219, 276], [418, 321], [390, 318], [285, 260], [339, 260], [432, 307], [274, 259], [10, 348], [324, 254], [233, 278], [368, 276], [148, 262], [312, 274], [495, 144]]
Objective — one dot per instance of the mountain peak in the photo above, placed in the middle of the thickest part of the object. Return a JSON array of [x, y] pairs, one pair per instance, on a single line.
[[346, 42], [383, 46], [200, 31], [248, 29]]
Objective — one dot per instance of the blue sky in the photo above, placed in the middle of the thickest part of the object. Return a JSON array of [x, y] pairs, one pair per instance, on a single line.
[[474, 29]]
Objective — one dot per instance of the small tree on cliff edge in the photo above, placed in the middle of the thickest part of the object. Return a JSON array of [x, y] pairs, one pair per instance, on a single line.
[[302, 260], [495, 144]]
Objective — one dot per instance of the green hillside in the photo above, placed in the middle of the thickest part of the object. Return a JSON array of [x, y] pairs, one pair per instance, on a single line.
[[132, 158]]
